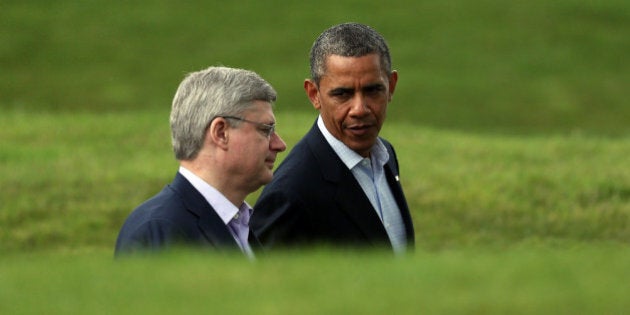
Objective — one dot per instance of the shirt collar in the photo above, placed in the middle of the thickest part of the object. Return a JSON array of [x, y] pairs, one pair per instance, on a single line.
[[347, 155], [221, 205]]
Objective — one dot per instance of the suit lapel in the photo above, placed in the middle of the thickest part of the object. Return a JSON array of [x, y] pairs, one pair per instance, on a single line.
[[209, 222], [254, 242], [356, 205], [394, 183], [349, 194]]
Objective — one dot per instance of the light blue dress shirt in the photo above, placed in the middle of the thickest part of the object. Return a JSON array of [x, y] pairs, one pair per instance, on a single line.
[[370, 174]]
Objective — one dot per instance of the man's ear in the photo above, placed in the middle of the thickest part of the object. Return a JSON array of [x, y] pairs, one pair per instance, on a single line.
[[218, 133], [312, 92], [393, 79]]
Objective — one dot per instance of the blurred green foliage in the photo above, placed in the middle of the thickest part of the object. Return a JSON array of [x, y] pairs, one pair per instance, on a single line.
[[485, 66]]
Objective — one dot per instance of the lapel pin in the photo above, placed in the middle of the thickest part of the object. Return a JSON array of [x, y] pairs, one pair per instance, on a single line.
[[397, 178]]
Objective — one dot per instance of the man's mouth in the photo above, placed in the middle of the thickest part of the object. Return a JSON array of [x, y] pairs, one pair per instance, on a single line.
[[270, 162], [359, 129]]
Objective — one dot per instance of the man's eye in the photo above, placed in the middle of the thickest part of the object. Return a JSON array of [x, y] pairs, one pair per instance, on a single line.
[[340, 93], [374, 90], [267, 131]]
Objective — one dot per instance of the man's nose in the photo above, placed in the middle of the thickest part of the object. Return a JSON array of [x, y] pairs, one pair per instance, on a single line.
[[359, 106], [276, 143]]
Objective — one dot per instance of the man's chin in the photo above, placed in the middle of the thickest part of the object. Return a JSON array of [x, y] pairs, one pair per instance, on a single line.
[[267, 178], [363, 150]]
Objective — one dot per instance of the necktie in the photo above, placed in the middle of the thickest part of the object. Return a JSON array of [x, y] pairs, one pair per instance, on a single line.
[[240, 226]]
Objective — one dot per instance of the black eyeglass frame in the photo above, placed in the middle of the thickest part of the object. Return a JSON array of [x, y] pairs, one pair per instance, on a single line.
[[266, 129]]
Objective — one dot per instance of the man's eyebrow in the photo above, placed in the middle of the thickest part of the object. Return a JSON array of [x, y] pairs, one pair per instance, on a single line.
[[374, 86], [341, 90], [270, 121]]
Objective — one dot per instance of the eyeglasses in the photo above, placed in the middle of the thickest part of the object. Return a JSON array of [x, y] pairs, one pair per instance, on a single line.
[[266, 129]]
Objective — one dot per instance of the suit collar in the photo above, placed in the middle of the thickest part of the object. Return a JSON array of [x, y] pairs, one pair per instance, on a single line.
[[331, 165], [351, 199], [349, 194], [209, 223], [221, 205]]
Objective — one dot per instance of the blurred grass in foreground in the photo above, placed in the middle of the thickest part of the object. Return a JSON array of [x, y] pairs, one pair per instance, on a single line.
[[523, 280]]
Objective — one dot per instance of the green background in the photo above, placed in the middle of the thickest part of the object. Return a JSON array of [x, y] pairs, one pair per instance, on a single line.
[[510, 120], [521, 66]]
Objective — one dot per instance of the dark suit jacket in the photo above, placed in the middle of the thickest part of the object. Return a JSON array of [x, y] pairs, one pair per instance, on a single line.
[[314, 199], [178, 215]]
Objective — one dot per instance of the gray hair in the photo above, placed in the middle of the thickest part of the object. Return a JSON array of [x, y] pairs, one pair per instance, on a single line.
[[206, 94], [347, 40]]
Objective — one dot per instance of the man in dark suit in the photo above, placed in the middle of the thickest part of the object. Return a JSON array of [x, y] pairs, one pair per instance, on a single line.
[[223, 133], [340, 184]]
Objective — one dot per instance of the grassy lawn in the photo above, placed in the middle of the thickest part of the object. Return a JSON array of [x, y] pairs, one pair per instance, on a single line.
[[504, 224], [71, 179], [521, 280], [510, 122]]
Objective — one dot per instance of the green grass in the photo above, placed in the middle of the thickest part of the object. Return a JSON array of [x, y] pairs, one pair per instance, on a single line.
[[484, 66], [530, 280], [471, 189], [70, 180], [510, 122]]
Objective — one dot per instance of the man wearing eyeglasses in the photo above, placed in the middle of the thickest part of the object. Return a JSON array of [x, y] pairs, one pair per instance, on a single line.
[[340, 184], [223, 135]]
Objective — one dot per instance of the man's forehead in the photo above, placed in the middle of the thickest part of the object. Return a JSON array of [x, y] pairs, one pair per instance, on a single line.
[[333, 81]]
